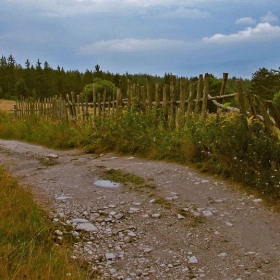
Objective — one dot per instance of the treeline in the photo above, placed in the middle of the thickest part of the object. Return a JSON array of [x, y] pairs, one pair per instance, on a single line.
[[41, 80]]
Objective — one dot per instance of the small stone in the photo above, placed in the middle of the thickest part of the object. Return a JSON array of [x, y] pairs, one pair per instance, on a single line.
[[131, 234], [180, 216], [156, 215], [127, 239], [148, 250], [229, 224], [258, 200], [112, 206], [185, 270], [52, 156], [222, 255], [207, 213], [137, 203], [133, 210], [79, 221], [87, 227], [58, 232], [94, 217], [118, 216], [152, 200], [193, 260], [110, 256]]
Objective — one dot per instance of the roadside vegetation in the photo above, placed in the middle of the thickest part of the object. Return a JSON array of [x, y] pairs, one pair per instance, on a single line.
[[237, 150], [28, 249]]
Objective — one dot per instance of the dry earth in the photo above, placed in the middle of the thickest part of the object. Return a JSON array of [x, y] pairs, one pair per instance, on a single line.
[[188, 226]]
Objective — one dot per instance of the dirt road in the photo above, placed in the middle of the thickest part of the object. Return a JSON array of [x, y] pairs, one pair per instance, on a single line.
[[179, 225]]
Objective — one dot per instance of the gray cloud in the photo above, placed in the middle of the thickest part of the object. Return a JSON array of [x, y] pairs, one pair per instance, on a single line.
[[269, 17], [131, 45], [245, 21]]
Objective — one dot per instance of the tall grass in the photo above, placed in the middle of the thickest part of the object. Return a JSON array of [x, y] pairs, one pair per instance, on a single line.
[[27, 250], [225, 145]]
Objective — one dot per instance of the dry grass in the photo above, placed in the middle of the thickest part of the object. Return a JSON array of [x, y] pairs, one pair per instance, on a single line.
[[6, 105], [28, 249]]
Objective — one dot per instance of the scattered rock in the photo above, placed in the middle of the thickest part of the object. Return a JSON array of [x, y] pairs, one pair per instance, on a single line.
[[87, 227], [193, 260], [207, 213], [110, 256], [156, 215], [222, 255]]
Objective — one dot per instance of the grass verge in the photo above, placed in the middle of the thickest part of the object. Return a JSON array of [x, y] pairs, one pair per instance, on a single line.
[[226, 146], [27, 249]]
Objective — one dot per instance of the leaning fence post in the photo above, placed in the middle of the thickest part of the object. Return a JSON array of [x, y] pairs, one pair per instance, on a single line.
[[266, 118], [274, 112]]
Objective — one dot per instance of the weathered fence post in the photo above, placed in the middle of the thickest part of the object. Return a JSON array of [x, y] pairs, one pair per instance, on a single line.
[[224, 83], [266, 118], [173, 104], [241, 101], [129, 97], [205, 97], [104, 102], [190, 102], [165, 104], [99, 104], [149, 95], [252, 106], [94, 101], [119, 103], [199, 94], [143, 95], [73, 105], [157, 104], [183, 84], [274, 112]]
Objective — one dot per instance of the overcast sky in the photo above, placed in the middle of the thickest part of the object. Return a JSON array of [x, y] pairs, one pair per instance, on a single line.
[[184, 37]]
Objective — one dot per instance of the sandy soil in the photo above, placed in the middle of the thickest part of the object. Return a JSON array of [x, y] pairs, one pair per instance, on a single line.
[[189, 226]]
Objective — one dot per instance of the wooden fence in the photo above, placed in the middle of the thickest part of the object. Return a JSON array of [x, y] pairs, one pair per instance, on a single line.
[[161, 101]]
